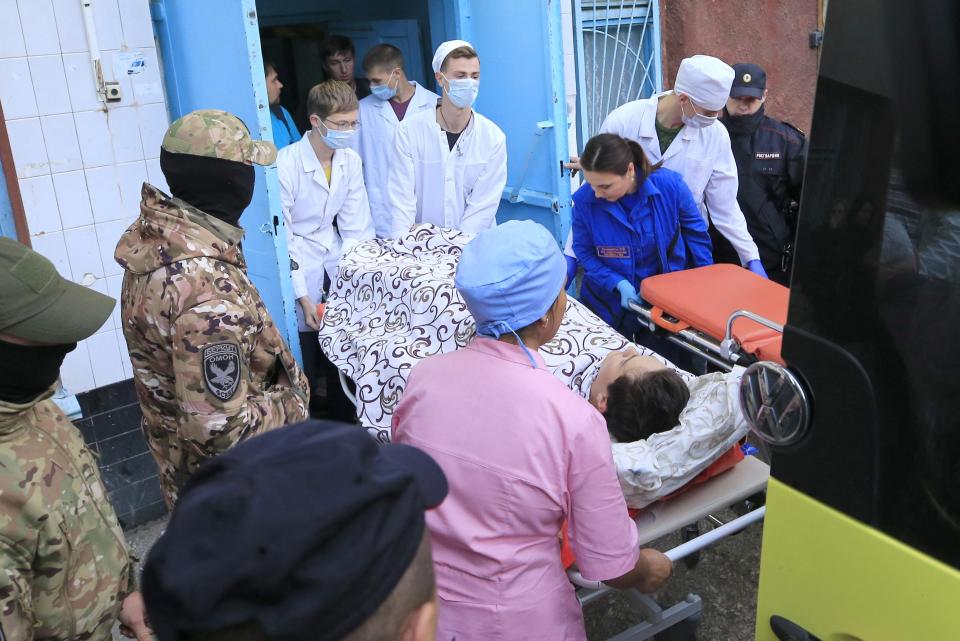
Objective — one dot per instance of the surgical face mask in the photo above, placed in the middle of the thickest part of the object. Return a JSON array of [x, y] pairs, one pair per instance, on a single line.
[[462, 91], [334, 138], [697, 120], [384, 92]]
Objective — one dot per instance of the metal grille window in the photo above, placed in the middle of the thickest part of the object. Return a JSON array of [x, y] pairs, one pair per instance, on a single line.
[[618, 47]]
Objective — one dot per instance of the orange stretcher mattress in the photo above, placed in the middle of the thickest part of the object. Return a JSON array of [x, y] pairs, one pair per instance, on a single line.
[[704, 298]]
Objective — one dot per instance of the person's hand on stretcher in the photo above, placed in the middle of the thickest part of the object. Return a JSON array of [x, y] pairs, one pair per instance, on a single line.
[[628, 294], [652, 570]]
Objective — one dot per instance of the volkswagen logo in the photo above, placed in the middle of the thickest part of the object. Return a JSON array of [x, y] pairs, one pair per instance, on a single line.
[[774, 403]]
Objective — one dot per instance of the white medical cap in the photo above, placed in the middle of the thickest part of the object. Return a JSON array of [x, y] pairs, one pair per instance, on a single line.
[[706, 80], [510, 275], [444, 50]]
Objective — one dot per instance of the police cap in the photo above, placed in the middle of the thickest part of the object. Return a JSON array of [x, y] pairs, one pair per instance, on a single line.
[[749, 80], [303, 531]]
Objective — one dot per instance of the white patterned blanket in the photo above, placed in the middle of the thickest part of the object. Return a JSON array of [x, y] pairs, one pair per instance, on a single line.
[[394, 303]]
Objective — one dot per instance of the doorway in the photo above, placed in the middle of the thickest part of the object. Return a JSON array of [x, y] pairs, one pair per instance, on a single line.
[[292, 31]]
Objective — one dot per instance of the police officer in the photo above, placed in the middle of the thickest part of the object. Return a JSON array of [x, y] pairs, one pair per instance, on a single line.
[[209, 365], [65, 571], [770, 156]]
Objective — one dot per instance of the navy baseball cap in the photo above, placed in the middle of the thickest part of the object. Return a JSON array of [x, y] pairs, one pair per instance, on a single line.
[[303, 531], [748, 80]]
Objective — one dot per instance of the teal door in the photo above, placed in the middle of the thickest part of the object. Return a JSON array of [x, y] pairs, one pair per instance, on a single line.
[[212, 60], [402, 34], [521, 89], [7, 225]]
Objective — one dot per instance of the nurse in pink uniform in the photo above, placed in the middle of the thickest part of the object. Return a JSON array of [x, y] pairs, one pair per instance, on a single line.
[[522, 453]]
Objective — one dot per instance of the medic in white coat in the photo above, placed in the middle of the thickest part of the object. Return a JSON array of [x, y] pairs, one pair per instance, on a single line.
[[449, 165], [394, 99], [701, 151], [321, 181]]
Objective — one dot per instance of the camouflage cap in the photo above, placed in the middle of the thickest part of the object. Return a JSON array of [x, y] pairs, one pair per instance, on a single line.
[[217, 134], [38, 304]]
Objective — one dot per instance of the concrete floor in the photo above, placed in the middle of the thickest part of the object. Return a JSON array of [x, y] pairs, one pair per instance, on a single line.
[[726, 580]]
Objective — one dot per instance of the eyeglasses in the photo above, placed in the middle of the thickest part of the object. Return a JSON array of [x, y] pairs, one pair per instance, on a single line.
[[343, 125]]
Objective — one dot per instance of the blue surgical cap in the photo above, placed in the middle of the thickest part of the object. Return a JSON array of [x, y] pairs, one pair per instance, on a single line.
[[510, 275]]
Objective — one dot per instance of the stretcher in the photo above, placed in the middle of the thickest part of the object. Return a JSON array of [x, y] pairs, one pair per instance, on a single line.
[[724, 313], [747, 479], [730, 317]]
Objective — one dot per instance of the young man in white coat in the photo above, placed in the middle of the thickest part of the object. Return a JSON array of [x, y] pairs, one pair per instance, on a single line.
[[394, 99], [325, 210], [680, 129], [449, 165]]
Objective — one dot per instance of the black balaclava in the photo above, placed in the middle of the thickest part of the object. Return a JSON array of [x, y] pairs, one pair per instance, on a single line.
[[220, 188], [27, 371], [744, 125]]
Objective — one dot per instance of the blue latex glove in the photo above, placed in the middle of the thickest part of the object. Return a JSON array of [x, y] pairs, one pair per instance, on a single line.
[[628, 294], [571, 269], [757, 268]]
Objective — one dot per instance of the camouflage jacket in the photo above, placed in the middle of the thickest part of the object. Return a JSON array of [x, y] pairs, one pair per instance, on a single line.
[[209, 365], [64, 565]]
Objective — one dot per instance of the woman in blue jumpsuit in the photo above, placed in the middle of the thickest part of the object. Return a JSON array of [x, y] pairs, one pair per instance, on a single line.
[[630, 221]]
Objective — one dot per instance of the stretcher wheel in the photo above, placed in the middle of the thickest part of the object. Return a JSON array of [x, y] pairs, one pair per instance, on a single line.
[[689, 533]]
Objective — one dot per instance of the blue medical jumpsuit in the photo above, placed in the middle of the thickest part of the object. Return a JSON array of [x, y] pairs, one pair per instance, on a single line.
[[657, 229]]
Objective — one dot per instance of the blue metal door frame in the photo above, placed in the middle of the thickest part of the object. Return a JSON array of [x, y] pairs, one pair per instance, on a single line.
[[522, 91], [211, 59], [8, 226]]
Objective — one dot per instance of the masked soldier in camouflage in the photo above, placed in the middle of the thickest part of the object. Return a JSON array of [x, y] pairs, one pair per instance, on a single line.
[[209, 365], [65, 572]]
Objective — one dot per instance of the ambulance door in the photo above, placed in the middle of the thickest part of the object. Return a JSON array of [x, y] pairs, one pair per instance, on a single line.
[[211, 58], [862, 533], [522, 90]]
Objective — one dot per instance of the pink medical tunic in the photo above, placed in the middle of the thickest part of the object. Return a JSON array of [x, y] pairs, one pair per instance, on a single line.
[[521, 453]]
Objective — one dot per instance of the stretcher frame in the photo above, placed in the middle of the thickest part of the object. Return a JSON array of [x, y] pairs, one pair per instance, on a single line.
[[747, 478], [725, 353]]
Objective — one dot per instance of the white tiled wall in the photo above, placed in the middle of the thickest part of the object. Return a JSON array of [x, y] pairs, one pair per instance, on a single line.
[[81, 165]]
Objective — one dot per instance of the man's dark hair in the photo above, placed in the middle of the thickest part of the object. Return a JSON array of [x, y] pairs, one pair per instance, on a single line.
[[334, 45], [639, 406], [383, 57], [416, 587], [268, 66]]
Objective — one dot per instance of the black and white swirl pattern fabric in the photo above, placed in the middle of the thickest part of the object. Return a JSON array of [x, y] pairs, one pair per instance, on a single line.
[[394, 303]]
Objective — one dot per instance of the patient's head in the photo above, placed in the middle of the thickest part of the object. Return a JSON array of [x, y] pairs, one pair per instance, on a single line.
[[638, 395]]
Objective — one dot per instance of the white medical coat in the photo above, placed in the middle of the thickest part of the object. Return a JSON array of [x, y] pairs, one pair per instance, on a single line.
[[702, 156], [375, 146], [457, 189], [310, 206]]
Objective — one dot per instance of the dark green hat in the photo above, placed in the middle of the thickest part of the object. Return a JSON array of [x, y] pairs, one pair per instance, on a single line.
[[38, 304]]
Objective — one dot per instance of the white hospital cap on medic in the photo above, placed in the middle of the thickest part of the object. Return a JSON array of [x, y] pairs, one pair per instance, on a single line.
[[707, 80], [444, 50]]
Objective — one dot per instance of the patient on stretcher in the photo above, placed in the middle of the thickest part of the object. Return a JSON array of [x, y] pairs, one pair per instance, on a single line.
[[394, 304], [638, 395]]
